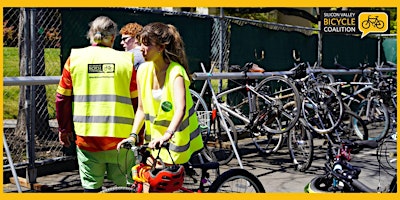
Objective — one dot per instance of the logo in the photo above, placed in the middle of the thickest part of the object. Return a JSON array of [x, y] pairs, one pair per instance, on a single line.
[[373, 22], [101, 68], [166, 106], [354, 22], [339, 22]]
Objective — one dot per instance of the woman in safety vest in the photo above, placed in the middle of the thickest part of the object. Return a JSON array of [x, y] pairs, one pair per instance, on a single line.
[[165, 105], [95, 100]]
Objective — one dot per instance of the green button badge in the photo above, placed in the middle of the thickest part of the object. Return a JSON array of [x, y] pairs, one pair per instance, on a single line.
[[166, 106]]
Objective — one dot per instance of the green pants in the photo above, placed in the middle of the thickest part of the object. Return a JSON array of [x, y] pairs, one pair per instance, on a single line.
[[94, 165]]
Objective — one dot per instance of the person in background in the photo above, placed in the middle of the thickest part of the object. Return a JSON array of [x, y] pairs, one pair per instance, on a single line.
[[95, 100], [130, 42], [165, 105]]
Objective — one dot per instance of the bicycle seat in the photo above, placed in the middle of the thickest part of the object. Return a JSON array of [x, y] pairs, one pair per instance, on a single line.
[[255, 68], [248, 67]]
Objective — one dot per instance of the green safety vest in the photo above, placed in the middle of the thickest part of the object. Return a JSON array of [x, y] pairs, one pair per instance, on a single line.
[[102, 103], [158, 115]]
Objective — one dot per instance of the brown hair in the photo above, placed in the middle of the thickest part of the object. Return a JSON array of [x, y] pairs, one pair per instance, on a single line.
[[131, 29], [166, 34]]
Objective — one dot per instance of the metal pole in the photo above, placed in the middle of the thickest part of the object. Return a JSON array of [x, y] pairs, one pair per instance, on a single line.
[[319, 48], [11, 163], [379, 49], [221, 45], [32, 171]]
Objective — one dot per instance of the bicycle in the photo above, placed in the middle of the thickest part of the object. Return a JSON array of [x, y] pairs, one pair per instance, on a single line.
[[341, 176], [262, 111], [366, 100], [322, 107], [374, 21], [243, 180]]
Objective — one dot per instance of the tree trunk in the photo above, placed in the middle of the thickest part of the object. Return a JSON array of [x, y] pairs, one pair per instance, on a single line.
[[24, 58]]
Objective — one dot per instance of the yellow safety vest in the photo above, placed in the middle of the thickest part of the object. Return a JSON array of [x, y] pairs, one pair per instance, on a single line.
[[158, 114], [102, 103]]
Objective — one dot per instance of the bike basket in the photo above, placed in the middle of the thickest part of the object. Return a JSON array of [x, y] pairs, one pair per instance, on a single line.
[[204, 119]]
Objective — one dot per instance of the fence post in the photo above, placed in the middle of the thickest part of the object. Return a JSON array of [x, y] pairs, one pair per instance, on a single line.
[[31, 173], [221, 45]]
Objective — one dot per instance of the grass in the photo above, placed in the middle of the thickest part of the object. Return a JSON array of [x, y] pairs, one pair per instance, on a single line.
[[11, 69]]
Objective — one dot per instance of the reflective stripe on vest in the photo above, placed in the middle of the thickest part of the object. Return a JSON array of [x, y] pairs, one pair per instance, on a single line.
[[187, 139], [102, 104]]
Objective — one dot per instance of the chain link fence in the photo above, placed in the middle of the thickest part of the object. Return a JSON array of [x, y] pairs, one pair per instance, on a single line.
[[33, 46]]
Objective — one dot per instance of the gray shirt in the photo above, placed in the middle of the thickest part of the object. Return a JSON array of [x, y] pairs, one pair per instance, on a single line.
[[138, 57]]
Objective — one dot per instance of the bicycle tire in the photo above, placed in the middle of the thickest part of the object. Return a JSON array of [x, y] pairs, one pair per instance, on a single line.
[[366, 24], [237, 181], [217, 141], [386, 154], [319, 184], [379, 24], [354, 128], [239, 102], [378, 122], [119, 189], [301, 146], [202, 111], [322, 108], [281, 91], [267, 143]]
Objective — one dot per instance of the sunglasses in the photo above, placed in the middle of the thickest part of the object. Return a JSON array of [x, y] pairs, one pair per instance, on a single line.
[[126, 39]]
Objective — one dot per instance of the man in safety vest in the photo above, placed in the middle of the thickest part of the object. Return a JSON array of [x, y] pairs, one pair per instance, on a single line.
[[95, 99]]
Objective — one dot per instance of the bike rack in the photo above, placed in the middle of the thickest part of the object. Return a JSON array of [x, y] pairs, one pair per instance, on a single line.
[[257, 75]]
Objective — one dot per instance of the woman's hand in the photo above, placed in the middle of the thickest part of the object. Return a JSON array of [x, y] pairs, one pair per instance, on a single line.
[[157, 143]]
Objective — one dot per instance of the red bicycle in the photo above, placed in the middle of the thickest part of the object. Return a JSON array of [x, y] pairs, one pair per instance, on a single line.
[[190, 177]]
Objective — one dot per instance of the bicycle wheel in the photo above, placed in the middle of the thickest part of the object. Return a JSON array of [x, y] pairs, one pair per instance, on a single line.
[[301, 146], [319, 184], [193, 175], [276, 92], [322, 108], [365, 24], [353, 127], [237, 181], [239, 102], [203, 114], [267, 143], [387, 155], [218, 142], [376, 116], [119, 189], [379, 24]]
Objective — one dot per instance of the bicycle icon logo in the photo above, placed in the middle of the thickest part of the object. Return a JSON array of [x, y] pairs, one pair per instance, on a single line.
[[374, 21]]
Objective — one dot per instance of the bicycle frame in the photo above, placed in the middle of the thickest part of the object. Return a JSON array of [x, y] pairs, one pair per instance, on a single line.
[[219, 109], [350, 97], [250, 94]]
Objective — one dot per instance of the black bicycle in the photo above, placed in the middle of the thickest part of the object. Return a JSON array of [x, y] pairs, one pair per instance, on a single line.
[[341, 176]]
